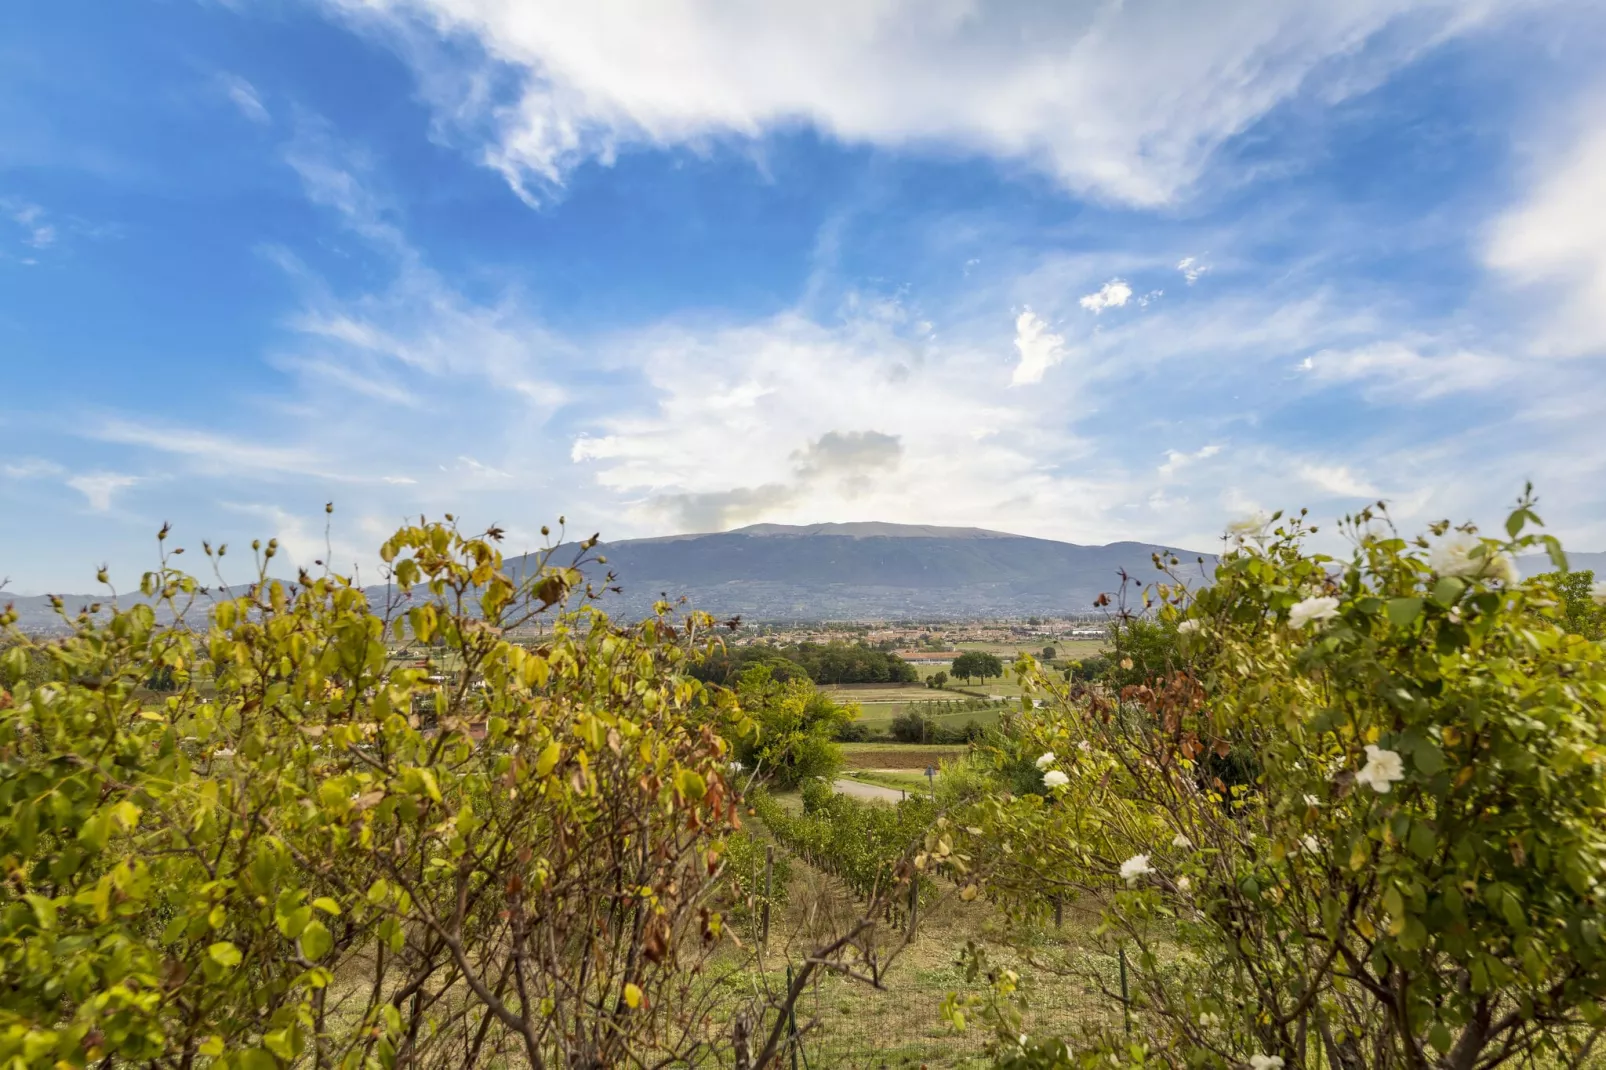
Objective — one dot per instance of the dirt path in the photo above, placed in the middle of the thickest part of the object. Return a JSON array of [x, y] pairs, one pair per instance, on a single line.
[[859, 790]]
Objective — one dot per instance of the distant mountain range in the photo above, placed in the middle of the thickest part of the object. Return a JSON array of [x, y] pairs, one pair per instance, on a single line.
[[874, 571], [867, 571]]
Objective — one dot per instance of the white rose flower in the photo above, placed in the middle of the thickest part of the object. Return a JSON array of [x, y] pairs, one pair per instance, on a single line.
[[1134, 868], [1179, 840], [1184, 884], [1454, 557], [1382, 768], [1189, 627], [1249, 527], [1310, 843], [1324, 607], [1055, 779], [1045, 760], [1266, 1062], [1084, 746], [1311, 800]]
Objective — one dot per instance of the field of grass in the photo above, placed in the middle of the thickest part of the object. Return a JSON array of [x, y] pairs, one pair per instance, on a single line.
[[1070, 648], [850, 1024], [911, 780], [898, 755], [879, 694]]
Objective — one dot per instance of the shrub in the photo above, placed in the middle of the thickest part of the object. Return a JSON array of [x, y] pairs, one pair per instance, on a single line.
[[1412, 874], [274, 862], [794, 728]]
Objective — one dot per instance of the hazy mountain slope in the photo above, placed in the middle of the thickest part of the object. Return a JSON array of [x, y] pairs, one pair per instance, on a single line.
[[834, 571], [864, 571], [1533, 564]]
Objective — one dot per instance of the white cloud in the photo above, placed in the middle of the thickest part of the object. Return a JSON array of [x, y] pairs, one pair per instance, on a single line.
[[36, 232], [31, 468], [1554, 243], [213, 452], [1401, 372], [1112, 294], [1176, 460], [1337, 480], [1191, 269], [1085, 91], [1040, 349], [99, 487], [244, 96]]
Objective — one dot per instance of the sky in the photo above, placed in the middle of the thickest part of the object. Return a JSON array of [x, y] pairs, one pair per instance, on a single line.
[[1089, 271]]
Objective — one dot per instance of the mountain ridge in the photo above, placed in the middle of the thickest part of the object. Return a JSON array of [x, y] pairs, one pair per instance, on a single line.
[[869, 570]]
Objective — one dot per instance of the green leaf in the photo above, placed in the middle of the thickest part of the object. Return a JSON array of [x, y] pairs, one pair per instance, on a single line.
[[44, 911], [1394, 903], [1447, 590], [1553, 548], [327, 905], [292, 922], [1422, 841], [691, 784], [1427, 756], [224, 954], [548, 758], [1402, 611], [315, 941], [256, 1059]]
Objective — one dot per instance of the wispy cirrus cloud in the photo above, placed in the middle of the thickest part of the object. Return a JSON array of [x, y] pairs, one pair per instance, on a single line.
[[245, 98], [1065, 88], [1553, 242]]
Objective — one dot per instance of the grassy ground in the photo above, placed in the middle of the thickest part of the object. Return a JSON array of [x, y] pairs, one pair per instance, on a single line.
[[1072, 648], [849, 1023], [879, 704], [911, 780], [898, 755]]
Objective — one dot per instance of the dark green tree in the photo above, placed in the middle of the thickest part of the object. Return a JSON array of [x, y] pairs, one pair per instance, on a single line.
[[797, 728], [977, 664]]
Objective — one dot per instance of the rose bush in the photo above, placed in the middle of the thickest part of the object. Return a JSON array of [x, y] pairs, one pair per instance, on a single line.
[[1409, 869]]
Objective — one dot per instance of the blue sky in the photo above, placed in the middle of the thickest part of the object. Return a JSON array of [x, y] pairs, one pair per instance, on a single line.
[[1088, 271]]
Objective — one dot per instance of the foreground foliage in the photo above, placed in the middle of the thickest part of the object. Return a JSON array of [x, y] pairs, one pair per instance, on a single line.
[[300, 851], [1408, 868]]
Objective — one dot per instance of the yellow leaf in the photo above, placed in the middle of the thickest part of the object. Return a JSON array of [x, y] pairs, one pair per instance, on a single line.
[[969, 893], [548, 758], [632, 996]]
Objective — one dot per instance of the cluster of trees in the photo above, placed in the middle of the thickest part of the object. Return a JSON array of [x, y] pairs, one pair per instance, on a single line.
[[824, 663], [977, 664], [916, 725]]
